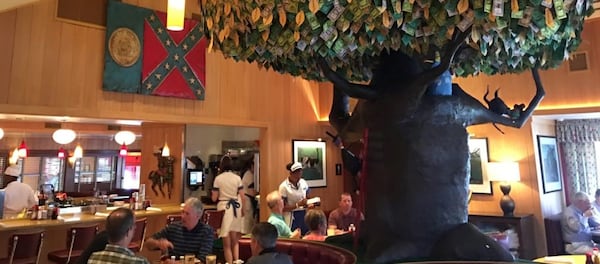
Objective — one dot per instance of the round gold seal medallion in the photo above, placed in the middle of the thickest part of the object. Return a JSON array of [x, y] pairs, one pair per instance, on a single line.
[[124, 47]]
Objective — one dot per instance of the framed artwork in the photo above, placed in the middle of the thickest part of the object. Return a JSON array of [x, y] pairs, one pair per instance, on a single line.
[[478, 152], [311, 153], [549, 164]]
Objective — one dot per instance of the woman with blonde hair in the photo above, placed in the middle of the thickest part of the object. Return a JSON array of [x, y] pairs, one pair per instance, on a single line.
[[317, 224]]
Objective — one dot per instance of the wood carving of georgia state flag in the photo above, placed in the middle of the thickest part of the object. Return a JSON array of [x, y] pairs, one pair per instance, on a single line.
[[142, 56]]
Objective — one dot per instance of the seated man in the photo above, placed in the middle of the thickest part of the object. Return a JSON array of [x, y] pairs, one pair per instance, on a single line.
[[345, 215], [575, 225], [120, 226], [98, 244], [262, 244], [190, 236], [275, 203]]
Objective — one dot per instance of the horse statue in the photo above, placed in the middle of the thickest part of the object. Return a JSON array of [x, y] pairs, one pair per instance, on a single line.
[[163, 175]]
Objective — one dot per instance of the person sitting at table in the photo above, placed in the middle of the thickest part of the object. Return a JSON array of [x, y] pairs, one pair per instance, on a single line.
[[575, 223], [190, 236], [317, 224], [275, 203], [345, 215], [262, 245], [120, 226], [596, 209]]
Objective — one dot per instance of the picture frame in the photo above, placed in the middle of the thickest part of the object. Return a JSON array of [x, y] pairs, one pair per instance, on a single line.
[[312, 154], [479, 182], [549, 163]]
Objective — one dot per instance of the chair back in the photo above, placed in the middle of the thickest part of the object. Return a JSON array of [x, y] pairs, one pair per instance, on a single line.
[[139, 235], [554, 236], [79, 237], [173, 218], [213, 218], [25, 247]]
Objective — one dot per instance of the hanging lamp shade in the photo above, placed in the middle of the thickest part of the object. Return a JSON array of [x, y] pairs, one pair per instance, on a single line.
[[124, 137], [61, 153], [123, 150], [78, 152], [23, 150], [175, 15], [64, 136], [1, 133], [166, 151]]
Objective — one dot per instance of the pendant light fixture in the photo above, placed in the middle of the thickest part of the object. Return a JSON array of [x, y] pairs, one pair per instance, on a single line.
[[23, 150], [61, 153], [1, 133], [123, 150], [124, 137], [64, 136], [175, 15]]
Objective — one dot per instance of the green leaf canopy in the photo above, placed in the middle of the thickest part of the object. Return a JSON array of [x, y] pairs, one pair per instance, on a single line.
[[290, 35]]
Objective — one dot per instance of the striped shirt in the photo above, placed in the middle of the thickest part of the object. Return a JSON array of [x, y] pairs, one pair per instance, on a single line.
[[117, 255], [198, 241]]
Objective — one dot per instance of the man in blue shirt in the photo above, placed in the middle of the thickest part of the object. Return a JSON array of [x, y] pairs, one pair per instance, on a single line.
[[575, 223], [275, 203]]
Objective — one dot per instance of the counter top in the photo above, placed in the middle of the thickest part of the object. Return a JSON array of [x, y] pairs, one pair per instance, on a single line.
[[82, 218]]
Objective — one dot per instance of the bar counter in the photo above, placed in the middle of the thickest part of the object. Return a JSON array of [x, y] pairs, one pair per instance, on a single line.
[[56, 230]]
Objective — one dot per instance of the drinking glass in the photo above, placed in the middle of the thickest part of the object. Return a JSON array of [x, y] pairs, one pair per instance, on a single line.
[[211, 259]]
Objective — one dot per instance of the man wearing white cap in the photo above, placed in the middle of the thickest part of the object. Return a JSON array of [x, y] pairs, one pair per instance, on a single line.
[[17, 195], [294, 191]]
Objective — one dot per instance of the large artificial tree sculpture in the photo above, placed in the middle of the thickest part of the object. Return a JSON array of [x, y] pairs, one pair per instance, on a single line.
[[414, 118]]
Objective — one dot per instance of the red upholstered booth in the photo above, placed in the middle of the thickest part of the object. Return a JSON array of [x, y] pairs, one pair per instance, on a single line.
[[305, 251]]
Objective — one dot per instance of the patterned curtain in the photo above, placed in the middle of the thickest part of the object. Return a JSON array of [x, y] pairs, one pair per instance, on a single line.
[[576, 139]]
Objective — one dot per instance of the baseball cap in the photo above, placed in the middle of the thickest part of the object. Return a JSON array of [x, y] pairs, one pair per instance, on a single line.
[[296, 166]]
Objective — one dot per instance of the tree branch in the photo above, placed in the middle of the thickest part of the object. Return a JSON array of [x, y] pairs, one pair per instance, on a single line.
[[354, 90]]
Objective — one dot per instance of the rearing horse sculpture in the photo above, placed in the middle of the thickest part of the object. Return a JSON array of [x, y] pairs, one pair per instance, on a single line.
[[163, 175]]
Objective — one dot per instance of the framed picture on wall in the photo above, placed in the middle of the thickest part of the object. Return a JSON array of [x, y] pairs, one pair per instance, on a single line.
[[478, 152], [311, 153], [549, 164]]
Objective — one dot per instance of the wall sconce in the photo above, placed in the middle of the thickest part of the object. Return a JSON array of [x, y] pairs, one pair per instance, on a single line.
[[78, 152], [64, 136], [166, 151], [23, 150], [175, 15], [505, 173], [14, 157]]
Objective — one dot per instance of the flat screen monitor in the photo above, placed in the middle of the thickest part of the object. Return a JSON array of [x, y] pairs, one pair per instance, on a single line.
[[196, 177]]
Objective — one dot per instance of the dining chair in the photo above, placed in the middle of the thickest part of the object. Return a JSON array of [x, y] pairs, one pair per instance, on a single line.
[[78, 238], [24, 247], [137, 242]]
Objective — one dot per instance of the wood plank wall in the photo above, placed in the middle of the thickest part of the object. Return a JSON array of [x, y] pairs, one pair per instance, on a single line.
[[52, 67]]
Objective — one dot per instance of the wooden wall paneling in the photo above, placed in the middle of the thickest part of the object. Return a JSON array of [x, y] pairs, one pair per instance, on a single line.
[[8, 20], [154, 138]]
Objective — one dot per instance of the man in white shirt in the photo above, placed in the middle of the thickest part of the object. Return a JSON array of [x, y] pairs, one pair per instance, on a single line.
[[17, 195]]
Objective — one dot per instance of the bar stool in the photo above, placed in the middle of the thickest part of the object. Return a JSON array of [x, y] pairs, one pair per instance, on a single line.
[[78, 238], [137, 242], [173, 218], [24, 247]]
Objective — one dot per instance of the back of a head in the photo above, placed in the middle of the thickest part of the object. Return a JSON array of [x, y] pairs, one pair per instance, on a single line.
[[265, 234], [597, 193], [315, 219], [272, 199], [226, 164], [118, 224]]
